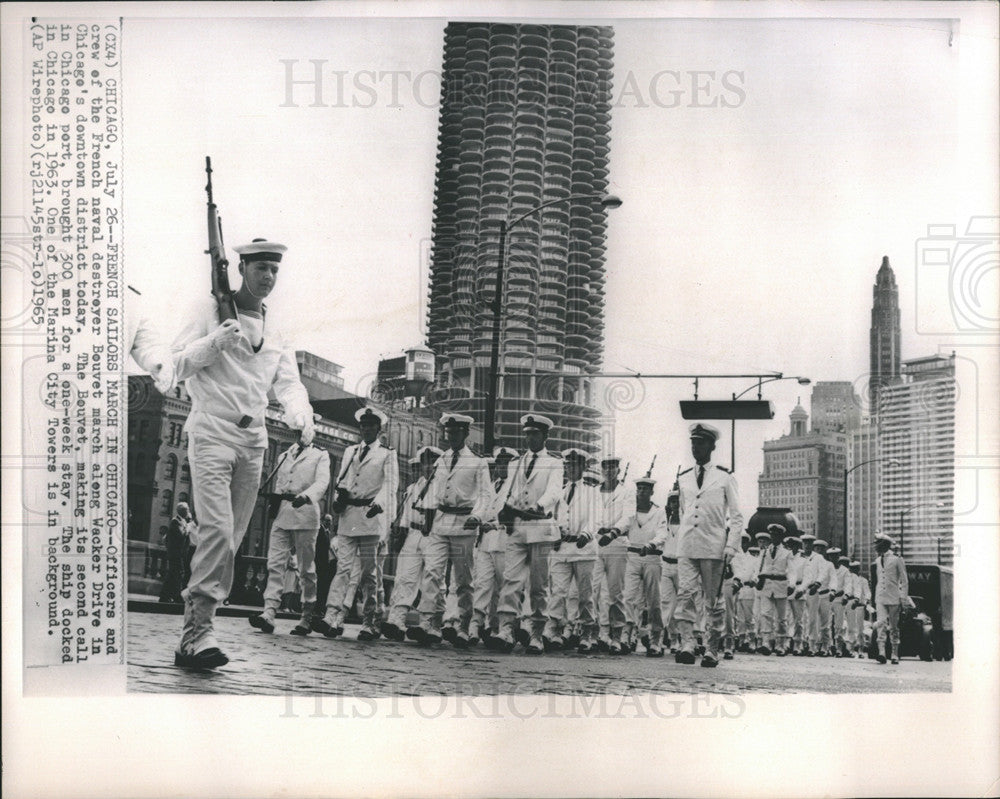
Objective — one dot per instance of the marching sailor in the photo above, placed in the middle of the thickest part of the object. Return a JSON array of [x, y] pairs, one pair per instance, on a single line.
[[711, 522], [646, 531], [796, 595], [535, 492], [488, 564], [573, 560], [463, 498], [410, 560], [745, 571], [668, 572], [303, 475], [612, 554], [839, 597], [366, 504], [818, 573], [773, 581], [229, 368]]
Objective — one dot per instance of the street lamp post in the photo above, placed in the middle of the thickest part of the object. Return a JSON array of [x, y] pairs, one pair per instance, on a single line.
[[803, 381], [902, 517], [891, 462], [489, 422]]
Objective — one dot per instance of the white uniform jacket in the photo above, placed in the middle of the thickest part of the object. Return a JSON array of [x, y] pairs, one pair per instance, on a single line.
[[647, 529], [542, 489], [578, 516], [466, 486], [227, 386], [706, 512], [612, 506], [773, 567], [891, 584], [796, 571], [374, 478], [818, 571], [302, 471], [495, 538], [745, 568]]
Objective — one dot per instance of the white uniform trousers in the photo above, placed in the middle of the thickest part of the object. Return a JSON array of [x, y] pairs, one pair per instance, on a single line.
[[729, 603], [744, 611], [224, 478], [279, 550], [839, 617], [799, 627], [856, 626], [612, 565], [700, 576], [773, 626], [599, 585], [887, 624], [524, 565], [358, 572], [562, 573], [642, 592], [409, 574], [438, 550], [487, 581], [668, 595]]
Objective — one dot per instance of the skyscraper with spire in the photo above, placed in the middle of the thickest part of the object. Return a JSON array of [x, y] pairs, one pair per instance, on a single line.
[[525, 120], [884, 356]]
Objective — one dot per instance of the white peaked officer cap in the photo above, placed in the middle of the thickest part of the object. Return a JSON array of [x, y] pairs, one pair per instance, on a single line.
[[792, 539], [448, 419], [609, 459], [855, 564], [754, 550], [368, 413], [420, 453], [833, 551], [882, 537], [575, 453], [534, 421], [704, 431], [776, 528], [807, 537], [507, 452], [763, 534], [261, 250], [819, 542]]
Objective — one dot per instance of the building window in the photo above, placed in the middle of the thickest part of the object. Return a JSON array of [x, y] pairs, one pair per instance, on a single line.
[[167, 508], [170, 467], [185, 471]]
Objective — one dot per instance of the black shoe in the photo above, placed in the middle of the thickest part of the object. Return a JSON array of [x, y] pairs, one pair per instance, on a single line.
[[602, 647], [881, 659], [262, 623], [302, 628], [449, 634], [429, 639], [644, 640], [522, 637], [206, 659], [763, 650], [709, 662], [684, 657], [392, 632], [727, 655], [323, 626], [779, 652], [461, 641], [415, 634], [484, 634], [365, 635]]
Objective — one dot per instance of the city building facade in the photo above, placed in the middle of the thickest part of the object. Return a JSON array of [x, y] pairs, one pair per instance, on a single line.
[[884, 336], [803, 471], [863, 497], [917, 430], [525, 120]]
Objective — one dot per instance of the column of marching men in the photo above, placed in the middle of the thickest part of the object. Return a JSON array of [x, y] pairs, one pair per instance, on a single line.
[[541, 553]]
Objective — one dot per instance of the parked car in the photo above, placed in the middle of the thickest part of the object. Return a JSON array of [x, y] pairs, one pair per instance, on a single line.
[[916, 633]]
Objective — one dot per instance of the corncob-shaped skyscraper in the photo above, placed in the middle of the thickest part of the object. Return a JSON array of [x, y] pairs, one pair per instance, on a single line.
[[525, 119]]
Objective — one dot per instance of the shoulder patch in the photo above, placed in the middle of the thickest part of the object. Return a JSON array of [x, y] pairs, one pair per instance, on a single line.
[[686, 471]]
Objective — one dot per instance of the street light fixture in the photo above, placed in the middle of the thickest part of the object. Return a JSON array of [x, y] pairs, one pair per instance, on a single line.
[[889, 462], [902, 516], [802, 381], [607, 201]]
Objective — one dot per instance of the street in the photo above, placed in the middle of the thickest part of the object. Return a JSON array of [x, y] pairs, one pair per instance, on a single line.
[[281, 664]]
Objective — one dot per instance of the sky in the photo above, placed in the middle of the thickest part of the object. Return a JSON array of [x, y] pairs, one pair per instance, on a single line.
[[765, 168]]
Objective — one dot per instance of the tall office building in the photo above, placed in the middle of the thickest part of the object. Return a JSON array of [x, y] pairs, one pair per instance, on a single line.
[[863, 491], [917, 429], [883, 352], [835, 408], [525, 120], [803, 470]]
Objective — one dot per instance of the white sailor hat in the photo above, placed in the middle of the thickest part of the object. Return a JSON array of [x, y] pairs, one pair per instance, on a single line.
[[368, 414], [843, 559], [792, 539], [575, 453], [647, 481], [593, 475], [745, 534], [261, 250], [609, 459], [534, 421], [819, 542], [419, 454], [511, 454], [807, 537], [705, 431], [753, 550], [777, 529], [455, 419], [833, 551], [763, 534], [855, 564]]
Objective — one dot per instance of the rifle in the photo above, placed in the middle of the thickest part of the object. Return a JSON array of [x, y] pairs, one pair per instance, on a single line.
[[649, 471], [217, 251]]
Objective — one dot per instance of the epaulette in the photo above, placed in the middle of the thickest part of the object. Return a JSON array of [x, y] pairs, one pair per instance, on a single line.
[[722, 468], [686, 471]]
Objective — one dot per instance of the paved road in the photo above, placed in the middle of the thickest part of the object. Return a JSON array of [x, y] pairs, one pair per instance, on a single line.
[[280, 664]]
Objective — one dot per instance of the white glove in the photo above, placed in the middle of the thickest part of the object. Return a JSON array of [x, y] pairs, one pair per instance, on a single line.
[[304, 423], [728, 553], [163, 376], [226, 336]]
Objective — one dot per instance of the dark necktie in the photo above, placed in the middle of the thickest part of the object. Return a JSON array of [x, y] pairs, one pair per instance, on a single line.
[[531, 465], [572, 491], [701, 475], [364, 453], [454, 459]]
